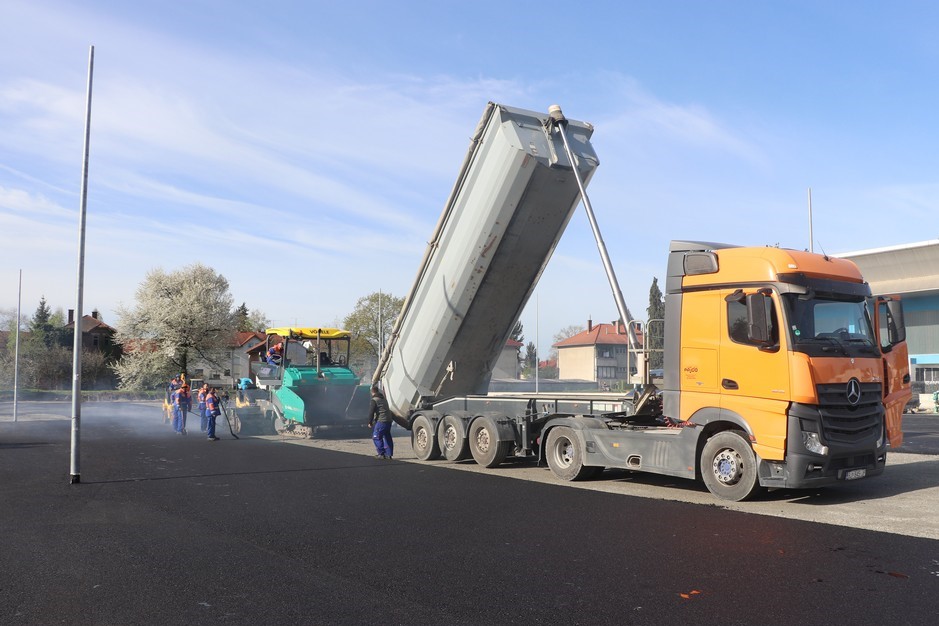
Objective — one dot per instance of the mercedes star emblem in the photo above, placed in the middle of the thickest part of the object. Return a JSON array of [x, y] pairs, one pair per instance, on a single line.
[[853, 391]]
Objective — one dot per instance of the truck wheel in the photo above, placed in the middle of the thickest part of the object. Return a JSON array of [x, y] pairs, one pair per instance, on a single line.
[[565, 457], [424, 439], [728, 467], [484, 442], [453, 439]]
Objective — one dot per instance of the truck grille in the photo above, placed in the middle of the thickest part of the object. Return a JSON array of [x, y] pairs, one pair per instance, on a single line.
[[843, 423]]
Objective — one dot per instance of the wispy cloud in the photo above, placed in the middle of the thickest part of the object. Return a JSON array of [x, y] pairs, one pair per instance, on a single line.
[[23, 202]]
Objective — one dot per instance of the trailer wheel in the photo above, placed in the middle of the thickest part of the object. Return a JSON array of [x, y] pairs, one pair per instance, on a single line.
[[728, 467], [564, 456], [453, 443], [424, 439], [484, 442]]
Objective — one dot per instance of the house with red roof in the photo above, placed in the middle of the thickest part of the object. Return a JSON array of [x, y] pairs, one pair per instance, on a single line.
[[232, 362], [96, 335], [600, 353]]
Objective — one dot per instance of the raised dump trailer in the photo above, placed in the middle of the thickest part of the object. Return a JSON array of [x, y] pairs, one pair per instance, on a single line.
[[314, 389], [513, 197], [778, 363]]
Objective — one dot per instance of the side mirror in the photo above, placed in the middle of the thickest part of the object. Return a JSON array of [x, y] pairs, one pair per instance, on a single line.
[[757, 327], [896, 326]]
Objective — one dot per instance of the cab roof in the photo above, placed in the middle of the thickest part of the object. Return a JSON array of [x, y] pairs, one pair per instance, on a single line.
[[309, 332]]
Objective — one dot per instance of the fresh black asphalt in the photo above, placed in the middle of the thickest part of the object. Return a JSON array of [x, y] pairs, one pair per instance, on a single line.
[[169, 529]]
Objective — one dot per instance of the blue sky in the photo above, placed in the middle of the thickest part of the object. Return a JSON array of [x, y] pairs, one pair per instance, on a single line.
[[305, 149]]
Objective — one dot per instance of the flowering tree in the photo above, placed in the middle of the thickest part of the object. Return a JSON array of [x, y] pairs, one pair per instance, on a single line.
[[177, 316]]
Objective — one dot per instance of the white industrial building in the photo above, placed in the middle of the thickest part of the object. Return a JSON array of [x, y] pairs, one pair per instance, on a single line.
[[912, 272]]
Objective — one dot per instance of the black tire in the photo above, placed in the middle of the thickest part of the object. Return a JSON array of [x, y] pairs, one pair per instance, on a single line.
[[424, 439], [235, 423], [565, 456], [728, 466], [484, 442], [452, 438]]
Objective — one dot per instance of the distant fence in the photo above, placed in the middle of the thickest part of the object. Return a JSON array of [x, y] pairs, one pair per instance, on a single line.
[[26, 395]]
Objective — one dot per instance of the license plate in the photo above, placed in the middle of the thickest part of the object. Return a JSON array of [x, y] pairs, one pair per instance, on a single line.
[[855, 474]]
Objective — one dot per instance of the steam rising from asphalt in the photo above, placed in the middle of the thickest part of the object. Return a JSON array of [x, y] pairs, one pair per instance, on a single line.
[[113, 419]]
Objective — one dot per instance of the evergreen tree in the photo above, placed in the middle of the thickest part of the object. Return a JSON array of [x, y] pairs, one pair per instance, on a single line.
[[40, 327], [242, 319], [518, 333], [655, 338], [531, 355]]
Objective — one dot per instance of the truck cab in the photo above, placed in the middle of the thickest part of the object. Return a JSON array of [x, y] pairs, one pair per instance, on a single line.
[[780, 346]]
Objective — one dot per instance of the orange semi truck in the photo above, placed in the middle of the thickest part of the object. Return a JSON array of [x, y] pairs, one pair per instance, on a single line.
[[780, 368], [777, 360]]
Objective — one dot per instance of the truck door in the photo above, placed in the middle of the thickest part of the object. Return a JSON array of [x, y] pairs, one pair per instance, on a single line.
[[754, 371], [891, 333]]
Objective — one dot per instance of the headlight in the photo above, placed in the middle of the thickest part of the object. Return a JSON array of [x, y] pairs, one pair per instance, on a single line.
[[813, 444]]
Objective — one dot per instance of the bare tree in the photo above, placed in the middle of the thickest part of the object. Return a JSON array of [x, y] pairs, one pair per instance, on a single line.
[[370, 324]]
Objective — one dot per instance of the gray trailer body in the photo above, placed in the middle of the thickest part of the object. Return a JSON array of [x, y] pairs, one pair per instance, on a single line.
[[512, 200]]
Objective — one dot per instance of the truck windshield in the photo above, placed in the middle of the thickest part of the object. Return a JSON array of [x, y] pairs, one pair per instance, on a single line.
[[830, 326]]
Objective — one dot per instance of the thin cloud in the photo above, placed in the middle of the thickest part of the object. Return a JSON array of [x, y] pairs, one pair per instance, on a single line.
[[642, 114], [26, 203]]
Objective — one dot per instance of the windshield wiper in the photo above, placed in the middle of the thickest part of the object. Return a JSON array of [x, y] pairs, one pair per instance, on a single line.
[[830, 339], [868, 344]]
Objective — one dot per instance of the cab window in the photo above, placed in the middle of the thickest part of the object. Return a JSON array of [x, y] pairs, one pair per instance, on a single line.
[[737, 322]]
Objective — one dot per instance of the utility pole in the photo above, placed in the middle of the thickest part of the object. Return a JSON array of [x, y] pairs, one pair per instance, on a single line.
[[16, 349], [811, 236], [75, 474]]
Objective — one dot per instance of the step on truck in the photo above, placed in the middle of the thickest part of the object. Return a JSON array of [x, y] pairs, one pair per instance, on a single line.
[[780, 368]]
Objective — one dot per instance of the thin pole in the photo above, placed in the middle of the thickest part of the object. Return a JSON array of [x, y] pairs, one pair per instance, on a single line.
[[811, 236], [537, 338], [381, 327], [75, 475], [16, 349]]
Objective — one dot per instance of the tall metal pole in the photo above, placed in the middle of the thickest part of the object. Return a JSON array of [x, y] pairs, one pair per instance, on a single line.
[[16, 349], [811, 236], [75, 475], [537, 338], [381, 327]]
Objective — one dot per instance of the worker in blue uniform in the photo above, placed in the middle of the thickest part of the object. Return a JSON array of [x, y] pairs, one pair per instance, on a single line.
[[212, 411], [275, 354], [203, 419], [380, 421]]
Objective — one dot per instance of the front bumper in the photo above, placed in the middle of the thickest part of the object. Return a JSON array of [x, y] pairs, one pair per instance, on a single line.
[[805, 469]]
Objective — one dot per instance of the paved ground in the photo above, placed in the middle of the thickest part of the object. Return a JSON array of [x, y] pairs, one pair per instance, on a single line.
[[903, 500], [166, 529]]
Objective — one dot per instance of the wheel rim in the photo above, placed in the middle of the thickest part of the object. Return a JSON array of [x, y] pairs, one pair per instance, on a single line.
[[482, 440], [420, 438], [728, 467], [449, 437], [564, 452]]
